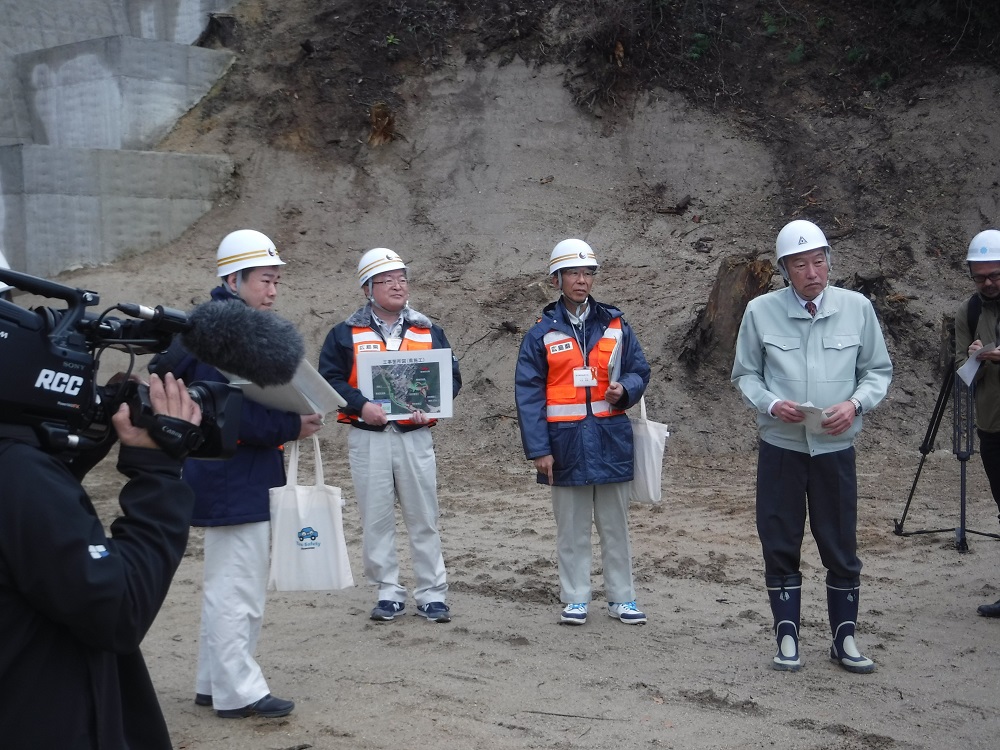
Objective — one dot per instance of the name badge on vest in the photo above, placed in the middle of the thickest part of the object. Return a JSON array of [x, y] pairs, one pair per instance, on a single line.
[[584, 377], [392, 344]]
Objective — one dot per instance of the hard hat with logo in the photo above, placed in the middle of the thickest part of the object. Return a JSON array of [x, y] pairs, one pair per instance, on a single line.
[[378, 260], [800, 236], [572, 254], [246, 248], [984, 246]]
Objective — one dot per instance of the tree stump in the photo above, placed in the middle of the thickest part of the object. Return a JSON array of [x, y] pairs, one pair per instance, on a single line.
[[739, 280]]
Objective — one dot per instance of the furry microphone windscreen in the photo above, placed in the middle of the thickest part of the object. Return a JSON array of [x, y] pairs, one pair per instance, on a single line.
[[234, 337]]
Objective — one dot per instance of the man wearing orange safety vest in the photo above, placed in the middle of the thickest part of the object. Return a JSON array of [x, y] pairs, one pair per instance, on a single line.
[[579, 368], [390, 459]]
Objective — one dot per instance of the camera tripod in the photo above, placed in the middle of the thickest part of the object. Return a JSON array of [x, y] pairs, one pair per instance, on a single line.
[[963, 446]]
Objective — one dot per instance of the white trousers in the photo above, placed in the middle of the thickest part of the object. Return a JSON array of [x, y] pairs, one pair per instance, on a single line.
[[236, 567], [385, 466], [577, 510]]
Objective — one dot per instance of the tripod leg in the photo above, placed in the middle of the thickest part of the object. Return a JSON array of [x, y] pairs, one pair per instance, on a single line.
[[961, 543], [928, 445]]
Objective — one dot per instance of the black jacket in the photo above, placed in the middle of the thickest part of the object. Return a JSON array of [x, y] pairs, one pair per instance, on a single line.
[[75, 604]]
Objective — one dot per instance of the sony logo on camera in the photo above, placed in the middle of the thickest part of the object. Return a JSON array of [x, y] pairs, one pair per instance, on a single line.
[[59, 382]]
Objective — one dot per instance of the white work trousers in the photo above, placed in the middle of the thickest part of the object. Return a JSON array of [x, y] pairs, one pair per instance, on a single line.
[[232, 610], [577, 510], [388, 465]]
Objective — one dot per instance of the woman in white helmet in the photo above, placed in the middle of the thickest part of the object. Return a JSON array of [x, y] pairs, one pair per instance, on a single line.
[[233, 504], [579, 368], [391, 460], [976, 324], [819, 345]]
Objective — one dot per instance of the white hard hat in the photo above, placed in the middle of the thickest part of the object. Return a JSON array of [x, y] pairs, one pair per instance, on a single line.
[[984, 246], [571, 254], [246, 248], [378, 260], [800, 236]]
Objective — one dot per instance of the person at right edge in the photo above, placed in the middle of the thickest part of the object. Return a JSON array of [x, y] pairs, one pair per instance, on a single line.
[[819, 345], [977, 324], [578, 369]]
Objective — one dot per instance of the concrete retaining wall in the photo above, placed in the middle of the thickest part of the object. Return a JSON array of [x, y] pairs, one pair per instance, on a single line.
[[85, 87], [116, 92], [66, 208]]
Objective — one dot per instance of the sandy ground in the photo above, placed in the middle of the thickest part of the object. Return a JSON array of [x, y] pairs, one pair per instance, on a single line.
[[466, 199], [504, 673]]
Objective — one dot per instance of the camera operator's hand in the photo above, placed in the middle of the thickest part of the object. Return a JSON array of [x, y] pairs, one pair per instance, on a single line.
[[168, 397]]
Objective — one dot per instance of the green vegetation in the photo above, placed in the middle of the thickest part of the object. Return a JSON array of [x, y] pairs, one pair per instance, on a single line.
[[699, 46], [771, 24]]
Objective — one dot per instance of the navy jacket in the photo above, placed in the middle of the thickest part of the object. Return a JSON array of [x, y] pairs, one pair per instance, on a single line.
[[336, 360], [75, 603], [592, 450], [235, 491]]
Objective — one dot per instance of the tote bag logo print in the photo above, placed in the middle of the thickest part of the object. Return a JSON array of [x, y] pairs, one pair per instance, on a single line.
[[307, 538]]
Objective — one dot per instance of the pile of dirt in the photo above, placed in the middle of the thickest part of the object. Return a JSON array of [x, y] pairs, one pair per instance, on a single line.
[[848, 100]]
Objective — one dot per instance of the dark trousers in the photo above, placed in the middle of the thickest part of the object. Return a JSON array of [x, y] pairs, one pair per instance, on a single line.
[[788, 484], [989, 450]]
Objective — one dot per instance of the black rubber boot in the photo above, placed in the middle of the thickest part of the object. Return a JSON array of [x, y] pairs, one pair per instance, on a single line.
[[989, 610], [842, 603], [785, 594]]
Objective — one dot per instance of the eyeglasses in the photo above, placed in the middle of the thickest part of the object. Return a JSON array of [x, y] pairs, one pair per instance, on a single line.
[[981, 279], [392, 282], [575, 273]]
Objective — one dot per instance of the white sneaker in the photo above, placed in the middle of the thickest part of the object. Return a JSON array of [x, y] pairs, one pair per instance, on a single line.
[[627, 612], [574, 614]]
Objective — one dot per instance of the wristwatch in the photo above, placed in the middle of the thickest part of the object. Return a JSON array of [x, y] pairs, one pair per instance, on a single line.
[[857, 406]]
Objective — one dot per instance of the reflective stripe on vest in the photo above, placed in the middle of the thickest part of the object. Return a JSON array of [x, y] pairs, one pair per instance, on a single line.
[[564, 402], [367, 340]]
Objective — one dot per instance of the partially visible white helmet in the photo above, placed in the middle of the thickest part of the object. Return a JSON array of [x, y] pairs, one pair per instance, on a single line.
[[572, 254], [800, 236], [984, 246], [376, 261], [246, 248]]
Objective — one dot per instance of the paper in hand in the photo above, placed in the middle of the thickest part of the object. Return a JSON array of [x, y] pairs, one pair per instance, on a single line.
[[967, 372], [814, 417]]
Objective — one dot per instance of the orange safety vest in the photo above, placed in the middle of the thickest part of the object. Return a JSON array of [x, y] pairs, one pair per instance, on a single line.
[[564, 402], [367, 340]]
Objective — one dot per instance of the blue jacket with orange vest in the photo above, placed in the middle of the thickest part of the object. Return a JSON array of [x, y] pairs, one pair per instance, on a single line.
[[337, 365], [589, 440]]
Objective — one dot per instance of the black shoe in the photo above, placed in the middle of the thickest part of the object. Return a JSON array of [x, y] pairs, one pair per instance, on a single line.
[[200, 699], [989, 610], [269, 707]]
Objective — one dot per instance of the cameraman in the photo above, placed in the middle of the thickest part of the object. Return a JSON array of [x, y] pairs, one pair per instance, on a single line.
[[75, 604]]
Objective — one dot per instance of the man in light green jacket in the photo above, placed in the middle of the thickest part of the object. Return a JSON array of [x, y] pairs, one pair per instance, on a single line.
[[810, 345]]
